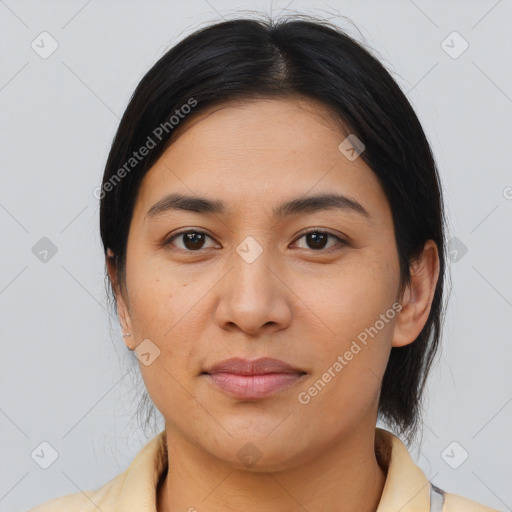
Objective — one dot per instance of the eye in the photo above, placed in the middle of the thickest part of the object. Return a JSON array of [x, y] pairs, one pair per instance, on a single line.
[[317, 239], [192, 240]]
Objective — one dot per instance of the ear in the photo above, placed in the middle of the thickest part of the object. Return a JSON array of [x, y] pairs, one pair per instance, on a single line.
[[122, 304], [418, 296]]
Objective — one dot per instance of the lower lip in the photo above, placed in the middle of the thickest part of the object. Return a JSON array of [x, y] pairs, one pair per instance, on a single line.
[[254, 386]]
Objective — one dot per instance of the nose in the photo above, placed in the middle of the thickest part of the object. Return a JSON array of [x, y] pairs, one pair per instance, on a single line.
[[254, 297]]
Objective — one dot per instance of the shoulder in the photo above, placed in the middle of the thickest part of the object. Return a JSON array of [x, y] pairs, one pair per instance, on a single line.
[[131, 490], [71, 502], [105, 498], [408, 489], [456, 503]]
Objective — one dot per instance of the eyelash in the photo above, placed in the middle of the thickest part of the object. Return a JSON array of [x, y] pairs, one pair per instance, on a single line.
[[169, 240]]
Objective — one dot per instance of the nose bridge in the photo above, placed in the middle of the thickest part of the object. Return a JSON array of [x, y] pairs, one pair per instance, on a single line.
[[252, 274], [252, 297]]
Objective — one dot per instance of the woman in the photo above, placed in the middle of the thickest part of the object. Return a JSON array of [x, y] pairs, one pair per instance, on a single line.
[[273, 227]]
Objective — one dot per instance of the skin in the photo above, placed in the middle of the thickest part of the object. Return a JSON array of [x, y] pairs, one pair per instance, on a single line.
[[296, 303]]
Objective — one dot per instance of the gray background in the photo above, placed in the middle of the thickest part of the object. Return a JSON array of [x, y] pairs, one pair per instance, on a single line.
[[66, 379]]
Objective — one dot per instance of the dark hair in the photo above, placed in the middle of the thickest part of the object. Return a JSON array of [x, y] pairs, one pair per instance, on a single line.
[[303, 57]]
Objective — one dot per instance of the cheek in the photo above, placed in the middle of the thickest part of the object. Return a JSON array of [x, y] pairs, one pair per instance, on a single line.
[[161, 312], [154, 293], [353, 299], [166, 308], [356, 312]]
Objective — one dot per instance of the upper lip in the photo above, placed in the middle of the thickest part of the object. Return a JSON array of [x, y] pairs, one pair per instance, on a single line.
[[261, 366]]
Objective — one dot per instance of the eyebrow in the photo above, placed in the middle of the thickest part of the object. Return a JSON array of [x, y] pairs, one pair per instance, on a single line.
[[298, 206]]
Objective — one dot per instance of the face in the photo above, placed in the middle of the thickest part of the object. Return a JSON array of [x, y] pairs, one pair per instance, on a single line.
[[315, 287]]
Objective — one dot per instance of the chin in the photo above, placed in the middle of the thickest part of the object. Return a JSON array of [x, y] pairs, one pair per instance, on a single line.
[[262, 454]]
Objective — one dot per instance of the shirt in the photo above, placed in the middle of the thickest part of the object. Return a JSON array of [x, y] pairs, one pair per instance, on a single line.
[[406, 488]]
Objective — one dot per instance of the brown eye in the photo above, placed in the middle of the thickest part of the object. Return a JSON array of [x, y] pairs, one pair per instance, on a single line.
[[317, 240], [191, 240]]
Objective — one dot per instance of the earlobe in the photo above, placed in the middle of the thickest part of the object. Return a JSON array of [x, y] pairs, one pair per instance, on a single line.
[[124, 315], [418, 296], [122, 307]]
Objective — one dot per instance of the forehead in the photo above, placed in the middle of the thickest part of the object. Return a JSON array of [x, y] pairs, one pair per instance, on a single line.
[[281, 125], [260, 152]]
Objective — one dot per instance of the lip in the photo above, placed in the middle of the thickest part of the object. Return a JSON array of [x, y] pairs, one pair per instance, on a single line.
[[261, 366], [252, 380]]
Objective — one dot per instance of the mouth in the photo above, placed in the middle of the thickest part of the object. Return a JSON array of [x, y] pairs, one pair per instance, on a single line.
[[253, 380]]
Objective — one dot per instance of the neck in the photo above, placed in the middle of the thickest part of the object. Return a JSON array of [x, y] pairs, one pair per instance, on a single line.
[[344, 477]]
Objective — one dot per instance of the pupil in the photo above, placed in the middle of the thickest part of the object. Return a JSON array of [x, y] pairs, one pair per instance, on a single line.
[[315, 236], [195, 239]]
